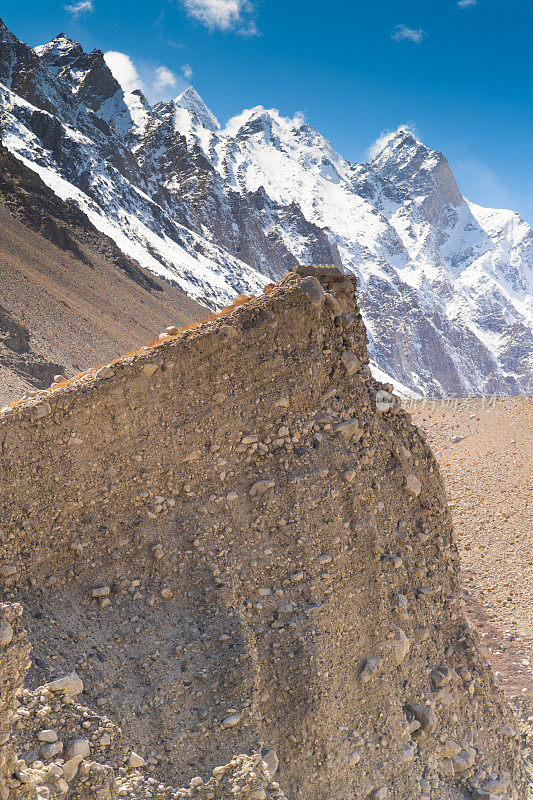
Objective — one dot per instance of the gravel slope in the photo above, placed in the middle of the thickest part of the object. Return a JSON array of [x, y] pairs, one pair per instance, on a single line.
[[485, 451]]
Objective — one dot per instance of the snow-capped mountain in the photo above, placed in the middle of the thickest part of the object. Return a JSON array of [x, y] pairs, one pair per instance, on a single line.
[[445, 285]]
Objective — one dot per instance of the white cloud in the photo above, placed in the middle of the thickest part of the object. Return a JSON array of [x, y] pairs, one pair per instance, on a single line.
[[299, 118], [404, 33], [158, 83], [467, 3], [186, 70], [224, 15], [82, 7], [124, 70], [164, 79]]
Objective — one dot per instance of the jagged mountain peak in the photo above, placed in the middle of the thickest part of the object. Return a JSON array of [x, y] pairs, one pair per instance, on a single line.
[[275, 128], [402, 147], [59, 52], [412, 168], [59, 42], [252, 120], [191, 101]]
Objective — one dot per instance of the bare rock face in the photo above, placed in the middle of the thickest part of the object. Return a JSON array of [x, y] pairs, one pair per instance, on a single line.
[[246, 564]]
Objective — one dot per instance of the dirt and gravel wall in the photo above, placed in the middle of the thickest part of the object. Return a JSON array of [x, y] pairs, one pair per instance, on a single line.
[[241, 547]]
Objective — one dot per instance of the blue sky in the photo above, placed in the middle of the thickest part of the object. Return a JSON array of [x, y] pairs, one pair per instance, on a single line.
[[458, 72]]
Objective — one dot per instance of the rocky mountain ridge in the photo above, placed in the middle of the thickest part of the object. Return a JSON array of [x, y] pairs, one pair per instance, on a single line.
[[445, 285]]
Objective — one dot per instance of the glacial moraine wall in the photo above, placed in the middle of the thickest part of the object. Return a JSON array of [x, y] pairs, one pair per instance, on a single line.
[[247, 558]]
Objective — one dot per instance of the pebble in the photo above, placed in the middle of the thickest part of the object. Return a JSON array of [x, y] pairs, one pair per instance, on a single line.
[[370, 667], [42, 410], [51, 750], [271, 761], [48, 735], [105, 372], [231, 721], [71, 685], [78, 747], [313, 289], [424, 715], [101, 591], [135, 760], [70, 768], [350, 362], [260, 487], [413, 486], [6, 633], [348, 429]]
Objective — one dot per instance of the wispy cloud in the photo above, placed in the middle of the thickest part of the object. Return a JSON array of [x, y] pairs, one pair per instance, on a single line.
[[404, 33], [157, 83], [164, 79], [479, 180], [224, 15], [467, 3], [82, 7], [186, 71]]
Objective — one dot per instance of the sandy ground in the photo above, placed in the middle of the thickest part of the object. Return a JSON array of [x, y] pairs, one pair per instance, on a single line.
[[485, 451]]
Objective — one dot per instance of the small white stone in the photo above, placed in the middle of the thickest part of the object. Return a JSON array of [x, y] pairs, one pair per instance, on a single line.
[[413, 485], [42, 410], [270, 760], [136, 760], [71, 684], [48, 735], [231, 721]]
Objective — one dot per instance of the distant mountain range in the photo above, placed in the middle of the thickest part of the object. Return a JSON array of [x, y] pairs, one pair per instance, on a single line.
[[445, 286]]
